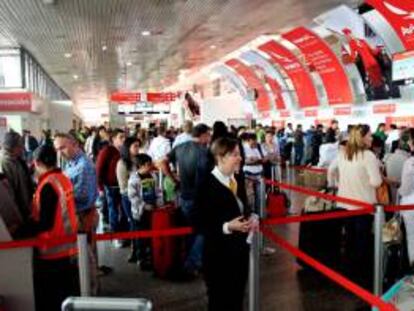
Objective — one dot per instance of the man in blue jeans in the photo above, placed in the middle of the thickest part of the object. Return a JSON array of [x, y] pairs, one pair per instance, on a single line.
[[106, 163], [193, 162]]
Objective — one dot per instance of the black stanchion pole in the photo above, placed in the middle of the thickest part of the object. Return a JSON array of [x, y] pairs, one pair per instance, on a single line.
[[378, 249], [254, 273], [84, 267]]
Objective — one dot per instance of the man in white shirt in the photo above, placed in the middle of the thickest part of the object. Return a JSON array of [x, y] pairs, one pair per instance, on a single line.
[[393, 135], [253, 169], [160, 146], [185, 135], [394, 163]]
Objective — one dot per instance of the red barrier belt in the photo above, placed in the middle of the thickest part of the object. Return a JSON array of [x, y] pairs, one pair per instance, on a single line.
[[317, 194], [142, 234], [334, 276], [309, 168], [97, 237], [396, 208], [38, 242], [315, 217], [19, 244]]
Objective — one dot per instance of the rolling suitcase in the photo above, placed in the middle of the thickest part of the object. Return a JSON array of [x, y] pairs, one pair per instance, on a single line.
[[106, 304], [164, 248], [277, 203]]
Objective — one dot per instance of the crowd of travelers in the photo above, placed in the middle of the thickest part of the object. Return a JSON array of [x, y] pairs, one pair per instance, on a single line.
[[70, 182]]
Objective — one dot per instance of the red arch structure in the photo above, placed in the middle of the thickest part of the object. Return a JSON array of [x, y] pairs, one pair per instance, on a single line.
[[300, 77], [323, 60], [253, 81]]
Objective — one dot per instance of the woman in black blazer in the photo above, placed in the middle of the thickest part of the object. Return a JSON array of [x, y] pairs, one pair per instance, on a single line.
[[223, 219]]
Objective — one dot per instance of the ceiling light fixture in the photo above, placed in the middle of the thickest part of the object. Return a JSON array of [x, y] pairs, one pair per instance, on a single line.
[[104, 48], [68, 55], [213, 47], [129, 64], [76, 77], [146, 33]]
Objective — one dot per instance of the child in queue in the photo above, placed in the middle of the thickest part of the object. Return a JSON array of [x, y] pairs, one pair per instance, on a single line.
[[142, 193]]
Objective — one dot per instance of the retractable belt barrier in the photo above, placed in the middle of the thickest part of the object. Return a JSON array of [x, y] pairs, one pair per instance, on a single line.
[[321, 216], [325, 196], [97, 237], [397, 208], [308, 168]]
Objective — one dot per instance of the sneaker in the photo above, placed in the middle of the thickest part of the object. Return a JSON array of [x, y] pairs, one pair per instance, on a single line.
[[266, 251], [117, 243]]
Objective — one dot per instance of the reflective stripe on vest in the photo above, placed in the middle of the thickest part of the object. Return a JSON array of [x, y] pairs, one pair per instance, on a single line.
[[65, 222]]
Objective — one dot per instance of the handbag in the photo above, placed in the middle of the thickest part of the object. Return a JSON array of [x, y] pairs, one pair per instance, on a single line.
[[383, 194], [391, 231], [316, 204]]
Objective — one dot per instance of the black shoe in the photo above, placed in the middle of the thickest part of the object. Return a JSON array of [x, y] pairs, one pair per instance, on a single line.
[[133, 258], [184, 275], [145, 266], [104, 270], [125, 243]]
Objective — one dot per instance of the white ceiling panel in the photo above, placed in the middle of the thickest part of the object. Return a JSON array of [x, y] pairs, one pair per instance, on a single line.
[[182, 33]]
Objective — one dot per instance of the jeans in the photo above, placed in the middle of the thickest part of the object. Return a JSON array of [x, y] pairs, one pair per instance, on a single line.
[[195, 242], [299, 150], [132, 223], [253, 191], [143, 247], [126, 207], [113, 199]]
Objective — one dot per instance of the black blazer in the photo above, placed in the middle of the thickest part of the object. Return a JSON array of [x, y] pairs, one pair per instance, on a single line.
[[215, 204]]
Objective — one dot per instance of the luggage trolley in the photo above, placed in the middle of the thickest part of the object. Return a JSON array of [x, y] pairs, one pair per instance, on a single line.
[[106, 304]]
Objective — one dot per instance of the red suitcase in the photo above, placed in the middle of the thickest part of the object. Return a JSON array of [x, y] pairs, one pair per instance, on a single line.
[[168, 252], [163, 248], [277, 204]]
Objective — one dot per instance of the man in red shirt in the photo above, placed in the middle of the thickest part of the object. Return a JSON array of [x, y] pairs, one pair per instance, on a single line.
[[106, 174]]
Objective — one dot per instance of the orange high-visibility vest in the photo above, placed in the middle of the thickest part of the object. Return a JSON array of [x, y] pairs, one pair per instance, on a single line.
[[65, 216]]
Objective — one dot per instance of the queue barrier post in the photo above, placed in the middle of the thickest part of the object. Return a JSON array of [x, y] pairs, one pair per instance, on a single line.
[[289, 176], [84, 265], [378, 249], [262, 208], [279, 170], [161, 186], [254, 272], [273, 176]]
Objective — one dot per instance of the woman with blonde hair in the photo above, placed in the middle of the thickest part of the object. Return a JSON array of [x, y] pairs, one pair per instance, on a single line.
[[359, 177]]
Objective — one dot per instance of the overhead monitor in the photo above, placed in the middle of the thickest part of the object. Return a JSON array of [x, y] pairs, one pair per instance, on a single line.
[[143, 107], [403, 66]]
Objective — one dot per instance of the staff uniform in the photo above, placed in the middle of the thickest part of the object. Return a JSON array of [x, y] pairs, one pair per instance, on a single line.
[[55, 268], [226, 254]]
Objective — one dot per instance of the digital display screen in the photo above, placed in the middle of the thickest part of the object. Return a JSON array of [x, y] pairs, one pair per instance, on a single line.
[[403, 66], [143, 107]]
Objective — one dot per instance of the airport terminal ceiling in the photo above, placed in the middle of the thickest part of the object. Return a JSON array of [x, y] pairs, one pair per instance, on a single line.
[[93, 47]]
